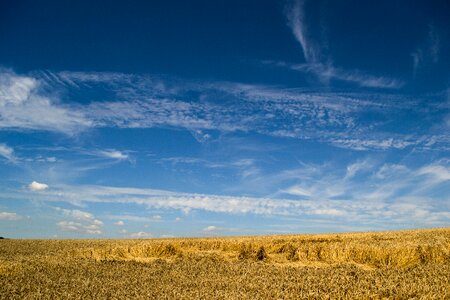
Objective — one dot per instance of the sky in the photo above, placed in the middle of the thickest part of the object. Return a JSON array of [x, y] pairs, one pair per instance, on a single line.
[[152, 119]]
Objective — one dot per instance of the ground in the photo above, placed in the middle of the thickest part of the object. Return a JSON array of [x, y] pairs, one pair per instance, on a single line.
[[392, 265]]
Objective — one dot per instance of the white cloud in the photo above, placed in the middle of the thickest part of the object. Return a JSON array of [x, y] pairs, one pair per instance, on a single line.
[[331, 117], [140, 235], [327, 72], [210, 228], [15, 89], [134, 218], [177, 219], [181, 201], [390, 170], [298, 191], [369, 197], [359, 166], [36, 186], [119, 223], [78, 214], [7, 153], [161, 199], [79, 227], [200, 135], [114, 154], [244, 162], [158, 113], [329, 212], [8, 216], [41, 159], [85, 222], [438, 172], [371, 143], [156, 218], [296, 20], [131, 218], [23, 105], [192, 161]]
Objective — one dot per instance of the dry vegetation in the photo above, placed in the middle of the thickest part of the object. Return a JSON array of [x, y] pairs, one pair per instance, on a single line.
[[387, 265]]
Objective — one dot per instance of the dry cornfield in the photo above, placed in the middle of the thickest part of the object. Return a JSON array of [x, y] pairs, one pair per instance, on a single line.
[[412, 264]]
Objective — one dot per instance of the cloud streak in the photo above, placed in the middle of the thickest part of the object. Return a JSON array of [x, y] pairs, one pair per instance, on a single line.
[[394, 194], [317, 63], [9, 216], [428, 53], [336, 118], [7, 153], [327, 72], [296, 21], [366, 192]]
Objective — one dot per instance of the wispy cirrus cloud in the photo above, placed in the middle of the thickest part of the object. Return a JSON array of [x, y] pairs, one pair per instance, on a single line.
[[373, 143], [429, 52], [69, 163], [245, 167], [23, 105], [438, 172], [357, 167], [113, 154], [367, 192], [133, 218], [296, 20], [327, 72], [336, 118], [333, 117], [319, 64], [7, 153], [381, 193], [160, 113], [179, 160]]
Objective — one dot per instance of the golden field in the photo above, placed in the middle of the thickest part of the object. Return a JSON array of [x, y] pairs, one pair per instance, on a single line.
[[412, 264]]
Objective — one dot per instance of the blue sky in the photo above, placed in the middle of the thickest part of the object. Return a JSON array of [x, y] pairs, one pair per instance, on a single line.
[[207, 118]]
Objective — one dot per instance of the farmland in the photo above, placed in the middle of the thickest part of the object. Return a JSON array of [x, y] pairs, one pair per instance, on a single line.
[[376, 265]]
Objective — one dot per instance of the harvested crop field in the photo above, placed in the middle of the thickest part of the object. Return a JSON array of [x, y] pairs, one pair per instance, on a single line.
[[391, 265]]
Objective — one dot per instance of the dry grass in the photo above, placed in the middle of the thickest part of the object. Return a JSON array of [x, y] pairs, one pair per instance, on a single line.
[[392, 265]]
